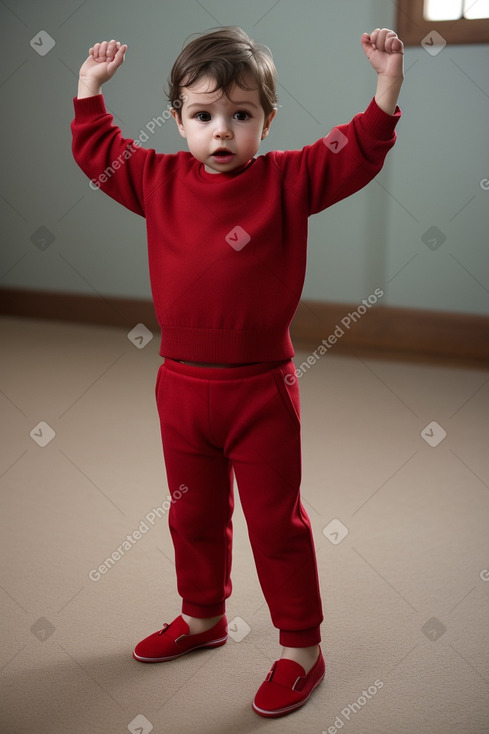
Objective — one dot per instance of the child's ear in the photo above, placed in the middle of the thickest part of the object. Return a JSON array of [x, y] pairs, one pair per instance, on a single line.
[[176, 116], [268, 122]]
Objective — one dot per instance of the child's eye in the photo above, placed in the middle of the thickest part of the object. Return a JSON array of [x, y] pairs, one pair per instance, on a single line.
[[242, 115], [203, 116]]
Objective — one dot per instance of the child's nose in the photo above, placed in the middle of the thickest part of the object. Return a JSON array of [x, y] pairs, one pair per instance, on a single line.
[[223, 129]]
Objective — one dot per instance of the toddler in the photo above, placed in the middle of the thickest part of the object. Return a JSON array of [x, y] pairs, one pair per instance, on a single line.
[[227, 235]]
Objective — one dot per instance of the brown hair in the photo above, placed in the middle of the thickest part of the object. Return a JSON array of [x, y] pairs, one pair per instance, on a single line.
[[227, 55]]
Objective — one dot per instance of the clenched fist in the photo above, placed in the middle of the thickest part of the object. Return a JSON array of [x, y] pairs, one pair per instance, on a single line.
[[103, 61]]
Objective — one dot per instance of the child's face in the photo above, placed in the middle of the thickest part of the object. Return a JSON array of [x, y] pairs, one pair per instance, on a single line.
[[211, 121]]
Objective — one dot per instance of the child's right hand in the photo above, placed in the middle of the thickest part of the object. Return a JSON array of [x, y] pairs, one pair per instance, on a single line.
[[103, 61]]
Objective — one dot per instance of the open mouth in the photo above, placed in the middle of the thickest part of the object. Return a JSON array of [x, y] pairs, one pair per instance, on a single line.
[[223, 155]]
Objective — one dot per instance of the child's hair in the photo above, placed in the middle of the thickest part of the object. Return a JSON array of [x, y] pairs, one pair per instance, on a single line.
[[227, 55]]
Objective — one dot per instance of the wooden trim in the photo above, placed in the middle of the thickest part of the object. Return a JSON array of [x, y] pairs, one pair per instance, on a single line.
[[395, 332], [77, 308], [412, 27], [383, 331]]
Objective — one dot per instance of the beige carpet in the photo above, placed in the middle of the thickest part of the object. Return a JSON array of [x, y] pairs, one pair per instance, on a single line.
[[405, 591]]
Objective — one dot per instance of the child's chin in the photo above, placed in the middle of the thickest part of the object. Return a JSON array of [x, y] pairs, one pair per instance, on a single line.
[[223, 168], [210, 169]]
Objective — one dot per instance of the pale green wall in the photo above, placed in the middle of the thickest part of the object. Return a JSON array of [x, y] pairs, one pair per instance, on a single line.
[[358, 245]]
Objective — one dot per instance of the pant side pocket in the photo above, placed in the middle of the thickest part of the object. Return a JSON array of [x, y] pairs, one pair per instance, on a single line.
[[288, 389]]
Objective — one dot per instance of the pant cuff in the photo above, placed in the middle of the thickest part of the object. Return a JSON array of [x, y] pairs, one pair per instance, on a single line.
[[203, 611], [300, 638]]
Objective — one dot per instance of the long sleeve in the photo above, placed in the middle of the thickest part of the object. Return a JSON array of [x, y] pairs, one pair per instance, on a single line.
[[342, 162], [116, 165]]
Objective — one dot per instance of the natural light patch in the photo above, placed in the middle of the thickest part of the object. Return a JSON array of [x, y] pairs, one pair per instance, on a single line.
[[455, 9], [443, 9], [476, 9]]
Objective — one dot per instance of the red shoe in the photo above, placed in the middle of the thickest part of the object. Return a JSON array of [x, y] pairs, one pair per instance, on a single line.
[[287, 687], [175, 640]]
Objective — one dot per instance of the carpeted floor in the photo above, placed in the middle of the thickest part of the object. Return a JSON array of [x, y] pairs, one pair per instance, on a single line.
[[399, 511]]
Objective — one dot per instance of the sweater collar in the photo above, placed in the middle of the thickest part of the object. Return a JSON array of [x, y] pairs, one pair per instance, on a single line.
[[219, 177]]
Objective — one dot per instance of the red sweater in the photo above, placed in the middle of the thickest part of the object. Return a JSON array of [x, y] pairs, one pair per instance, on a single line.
[[227, 252]]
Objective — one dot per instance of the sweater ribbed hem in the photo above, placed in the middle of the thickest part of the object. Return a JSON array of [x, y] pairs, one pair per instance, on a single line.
[[88, 107], [226, 346], [378, 123]]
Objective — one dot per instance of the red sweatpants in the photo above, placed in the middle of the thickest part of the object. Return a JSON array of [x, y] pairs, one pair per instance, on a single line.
[[242, 420]]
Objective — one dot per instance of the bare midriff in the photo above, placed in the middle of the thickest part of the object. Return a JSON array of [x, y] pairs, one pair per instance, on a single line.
[[211, 364]]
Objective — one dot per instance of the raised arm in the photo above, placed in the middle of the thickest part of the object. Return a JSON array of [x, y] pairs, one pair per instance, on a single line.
[[352, 155], [116, 165]]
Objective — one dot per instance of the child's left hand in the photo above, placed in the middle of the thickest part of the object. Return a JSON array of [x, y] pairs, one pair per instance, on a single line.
[[385, 51]]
